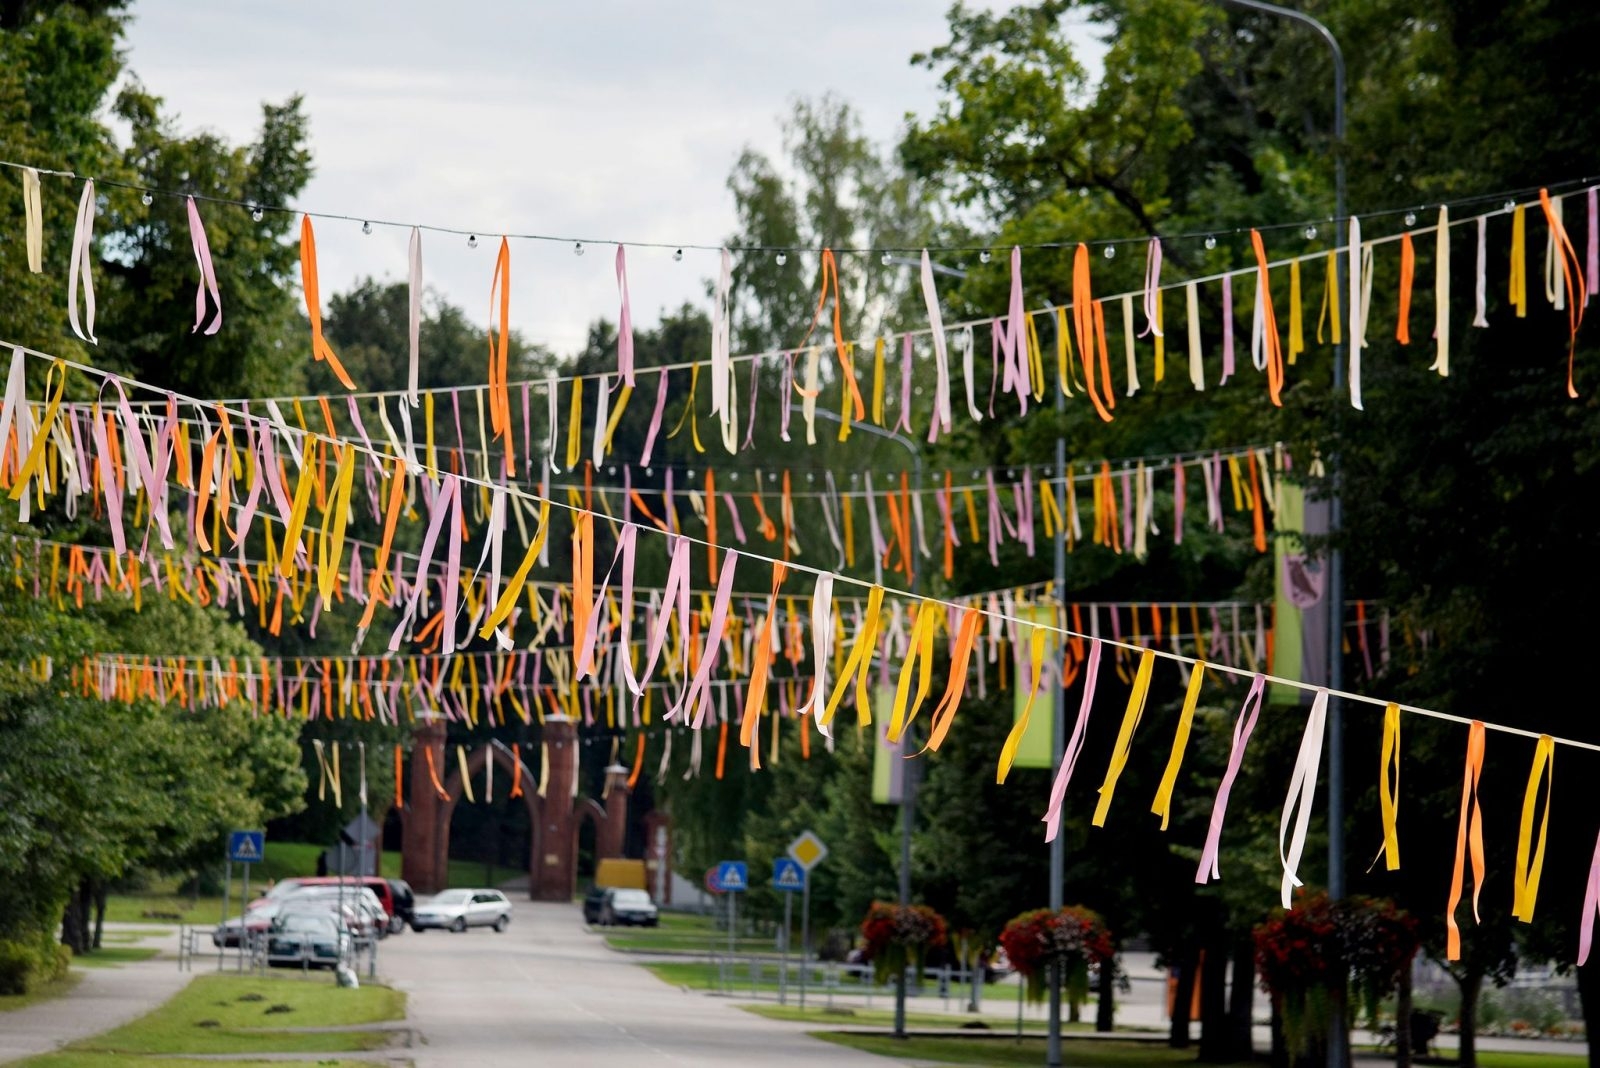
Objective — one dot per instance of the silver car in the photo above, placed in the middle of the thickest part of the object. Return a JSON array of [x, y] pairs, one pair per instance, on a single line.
[[456, 910]]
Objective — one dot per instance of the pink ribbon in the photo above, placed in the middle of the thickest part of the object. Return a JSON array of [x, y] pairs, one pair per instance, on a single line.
[[208, 274], [1591, 894], [1241, 737], [1227, 328], [655, 419], [695, 696], [905, 385], [624, 321], [1069, 757], [1179, 481], [1152, 287]]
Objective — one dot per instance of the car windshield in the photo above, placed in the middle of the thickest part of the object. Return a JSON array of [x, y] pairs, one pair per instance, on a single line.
[[452, 897], [307, 921], [630, 898]]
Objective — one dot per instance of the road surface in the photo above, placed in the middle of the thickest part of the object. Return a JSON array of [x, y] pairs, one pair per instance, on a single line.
[[548, 993]]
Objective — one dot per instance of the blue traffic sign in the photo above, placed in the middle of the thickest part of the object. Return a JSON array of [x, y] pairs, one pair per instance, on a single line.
[[733, 876], [246, 847], [788, 875]]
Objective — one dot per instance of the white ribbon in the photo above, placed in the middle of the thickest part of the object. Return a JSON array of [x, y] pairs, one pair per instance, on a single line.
[[550, 395], [78, 275], [602, 413], [821, 650], [808, 400], [941, 357], [1554, 291], [208, 273], [967, 356], [1480, 298], [1152, 287], [1302, 789], [33, 213], [1441, 296], [1127, 343], [1358, 330], [721, 338], [414, 318]]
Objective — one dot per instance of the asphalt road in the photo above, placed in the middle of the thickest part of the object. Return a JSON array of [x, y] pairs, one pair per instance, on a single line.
[[548, 993]]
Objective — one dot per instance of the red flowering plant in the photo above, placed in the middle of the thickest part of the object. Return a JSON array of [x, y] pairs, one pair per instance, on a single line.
[[897, 935], [1359, 945], [1074, 937]]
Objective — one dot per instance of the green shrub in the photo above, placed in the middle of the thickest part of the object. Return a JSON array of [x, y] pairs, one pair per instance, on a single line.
[[27, 964]]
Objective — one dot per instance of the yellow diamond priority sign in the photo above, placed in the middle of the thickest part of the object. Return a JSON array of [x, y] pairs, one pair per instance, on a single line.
[[808, 850]]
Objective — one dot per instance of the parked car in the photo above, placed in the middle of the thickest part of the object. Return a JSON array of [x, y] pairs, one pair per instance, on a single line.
[[315, 939], [459, 909], [367, 917], [394, 895], [628, 908], [592, 901]]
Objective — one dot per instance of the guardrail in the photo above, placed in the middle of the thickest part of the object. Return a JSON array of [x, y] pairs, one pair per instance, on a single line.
[[196, 944], [762, 977]]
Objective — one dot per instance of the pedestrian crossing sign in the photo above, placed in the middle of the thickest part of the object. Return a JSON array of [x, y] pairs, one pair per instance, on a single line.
[[788, 875], [246, 847]]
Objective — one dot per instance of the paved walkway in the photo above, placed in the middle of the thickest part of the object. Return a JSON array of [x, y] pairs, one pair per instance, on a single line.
[[103, 999]]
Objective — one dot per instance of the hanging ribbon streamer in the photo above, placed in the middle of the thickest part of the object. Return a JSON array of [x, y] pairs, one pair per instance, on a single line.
[[1480, 287], [208, 273], [1441, 295], [1197, 371], [1008, 752], [1389, 788], [33, 219], [1162, 806], [1525, 886], [624, 322], [320, 349], [1152, 285], [941, 356], [1517, 275], [1242, 728], [821, 649], [1358, 333], [499, 353], [721, 340], [945, 714], [466, 776], [1571, 278], [1591, 905], [1014, 375], [1084, 327], [1269, 321], [1130, 721], [1069, 756], [1408, 270], [1469, 837], [79, 277], [414, 314], [1302, 791]]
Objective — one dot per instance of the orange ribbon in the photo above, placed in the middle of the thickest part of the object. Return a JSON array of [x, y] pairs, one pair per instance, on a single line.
[[1088, 320], [1269, 323], [308, 282], [830, 273], [1469, 835], [1408, 270], [499, 351], [1570, 269]]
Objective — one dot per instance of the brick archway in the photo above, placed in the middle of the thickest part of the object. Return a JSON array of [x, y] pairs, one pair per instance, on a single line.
[[554, 810]]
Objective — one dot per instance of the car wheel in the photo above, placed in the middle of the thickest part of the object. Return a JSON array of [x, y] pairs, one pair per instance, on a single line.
[[397, 925], [460, 924], [501, 924]]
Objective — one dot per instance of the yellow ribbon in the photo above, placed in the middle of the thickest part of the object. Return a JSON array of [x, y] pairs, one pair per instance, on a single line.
[[859, 664], [297, 518], [1008, 752], [1525, 887], [330, 547], [1130, 720], [41, 437], [1389, 787], [1518, 288], [513, 590], [1180, 741], [466, 779], [574, 418], [919, 658]]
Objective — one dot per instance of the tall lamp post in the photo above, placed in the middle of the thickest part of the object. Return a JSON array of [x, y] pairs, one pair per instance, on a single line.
[[1338, 1051], [908, 788]]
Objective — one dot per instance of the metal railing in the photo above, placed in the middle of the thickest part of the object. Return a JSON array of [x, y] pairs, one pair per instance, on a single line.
[[195, 944]]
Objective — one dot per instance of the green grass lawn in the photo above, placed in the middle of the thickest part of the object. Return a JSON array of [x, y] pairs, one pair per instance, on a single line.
[[1531, 1060], [81, 1059], [1075, 1053], [229, 1014], [853, 1016], [682, 933]]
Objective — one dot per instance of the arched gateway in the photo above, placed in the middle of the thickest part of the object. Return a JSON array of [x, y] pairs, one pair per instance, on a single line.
[[553, 818]]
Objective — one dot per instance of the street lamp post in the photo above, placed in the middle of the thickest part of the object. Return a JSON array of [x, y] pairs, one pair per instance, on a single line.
[[908, 788], [1338, 1051]]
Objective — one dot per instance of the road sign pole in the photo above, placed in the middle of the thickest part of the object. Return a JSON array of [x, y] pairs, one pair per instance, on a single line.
[[733, 918], [227, 892], [783, 974], [244, 908], [805, 937]]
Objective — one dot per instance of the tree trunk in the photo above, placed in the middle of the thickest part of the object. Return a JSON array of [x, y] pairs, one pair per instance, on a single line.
[[1183, 997], [1402, 1020], [1215, 1039], [1241, 1000], [1105, 1011], [100, 895], [1471, 983], [1589, 998], [1279, 1055], [75, 921]]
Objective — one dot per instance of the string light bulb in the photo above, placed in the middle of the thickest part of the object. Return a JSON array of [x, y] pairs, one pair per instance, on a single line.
[[256, 214], [1411, 218], [1511, 205], [781, 258], [677, 255], [1311, 233], [983, 257], [472, 241], [884, 259], [577, 248], [1111, 252], [1211, 242], [366, 227], [146, 199]]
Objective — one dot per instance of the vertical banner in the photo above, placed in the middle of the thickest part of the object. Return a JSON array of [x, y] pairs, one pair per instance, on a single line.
[[1035, 749], [1300, 619], [888, 758]]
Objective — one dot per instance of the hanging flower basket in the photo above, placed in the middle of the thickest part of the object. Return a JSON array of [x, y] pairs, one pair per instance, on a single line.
[[1359, 945], [897, 936], [1074, 936]]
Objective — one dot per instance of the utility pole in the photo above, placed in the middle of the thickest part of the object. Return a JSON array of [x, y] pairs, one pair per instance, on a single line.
[[1058, 844]]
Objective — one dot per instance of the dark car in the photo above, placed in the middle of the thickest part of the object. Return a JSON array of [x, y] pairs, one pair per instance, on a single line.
[[312, 939], [592, 903], [628, 908], [404, 907]]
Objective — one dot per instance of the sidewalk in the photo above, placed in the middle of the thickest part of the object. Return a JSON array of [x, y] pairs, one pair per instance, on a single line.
[[103, 999]]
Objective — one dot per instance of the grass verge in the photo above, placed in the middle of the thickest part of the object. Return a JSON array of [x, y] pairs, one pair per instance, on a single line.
[[853, 1016], [112, 956], [75, 1059], [1079, 1053], [682, 933], [246, 1014]]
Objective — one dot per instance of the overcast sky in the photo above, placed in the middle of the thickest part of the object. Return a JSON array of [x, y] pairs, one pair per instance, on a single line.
[[606, 119]]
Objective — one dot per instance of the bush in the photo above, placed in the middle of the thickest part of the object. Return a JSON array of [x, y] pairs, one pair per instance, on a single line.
[[25, 965]]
